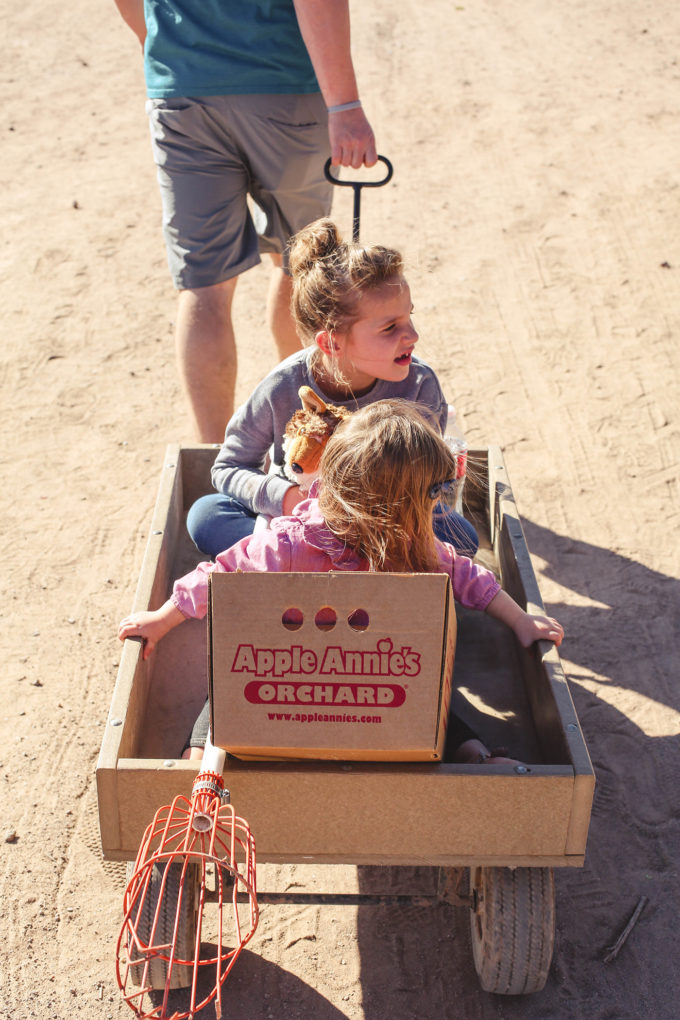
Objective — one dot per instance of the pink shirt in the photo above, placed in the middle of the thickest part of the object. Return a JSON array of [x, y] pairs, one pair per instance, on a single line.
[[304, 543]]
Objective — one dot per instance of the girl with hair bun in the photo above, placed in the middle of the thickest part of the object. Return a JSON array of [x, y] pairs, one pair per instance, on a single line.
[[352, 307]]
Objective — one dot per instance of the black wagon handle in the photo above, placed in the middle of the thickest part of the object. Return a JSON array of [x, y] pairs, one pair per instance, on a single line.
[[357, 186]]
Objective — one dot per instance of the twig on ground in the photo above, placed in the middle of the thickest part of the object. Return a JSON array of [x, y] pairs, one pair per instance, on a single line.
[[613, 951]]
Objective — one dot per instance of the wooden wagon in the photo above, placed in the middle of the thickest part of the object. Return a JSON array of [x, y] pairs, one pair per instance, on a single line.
[[495, 832]]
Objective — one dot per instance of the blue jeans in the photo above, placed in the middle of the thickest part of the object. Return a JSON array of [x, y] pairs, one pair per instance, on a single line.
[[216, 522], [453, 528]]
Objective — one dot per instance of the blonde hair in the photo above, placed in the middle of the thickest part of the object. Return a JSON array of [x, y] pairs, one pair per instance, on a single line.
[[330, 275], [376, 474]]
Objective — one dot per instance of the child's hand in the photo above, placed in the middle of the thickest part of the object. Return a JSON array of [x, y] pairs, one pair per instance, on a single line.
[[142, 625], [527, 628], [537, 628], [291, 498], [150, 626]]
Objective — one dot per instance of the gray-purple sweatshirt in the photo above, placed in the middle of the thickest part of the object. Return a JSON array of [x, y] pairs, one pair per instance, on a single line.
[[258, 426]]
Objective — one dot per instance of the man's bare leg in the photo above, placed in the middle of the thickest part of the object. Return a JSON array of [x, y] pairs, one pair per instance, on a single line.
[[279, 316], [206, 357], [206, 347]]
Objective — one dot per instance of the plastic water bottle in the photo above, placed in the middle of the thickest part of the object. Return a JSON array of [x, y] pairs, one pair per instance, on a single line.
[[456, 442]]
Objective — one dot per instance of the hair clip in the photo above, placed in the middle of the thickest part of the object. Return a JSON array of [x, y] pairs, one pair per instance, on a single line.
[[441, 488]]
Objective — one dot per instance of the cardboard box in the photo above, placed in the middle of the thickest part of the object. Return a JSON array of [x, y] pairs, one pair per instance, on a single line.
[[343, 666]]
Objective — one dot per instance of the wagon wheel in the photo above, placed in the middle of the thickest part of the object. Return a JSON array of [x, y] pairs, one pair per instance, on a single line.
[[513, 927], [182, 975]]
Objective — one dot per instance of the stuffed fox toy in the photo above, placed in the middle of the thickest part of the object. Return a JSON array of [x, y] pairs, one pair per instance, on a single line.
[[306, 435]]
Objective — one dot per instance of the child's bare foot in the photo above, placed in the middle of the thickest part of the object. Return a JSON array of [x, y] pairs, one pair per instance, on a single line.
[[474, 752]]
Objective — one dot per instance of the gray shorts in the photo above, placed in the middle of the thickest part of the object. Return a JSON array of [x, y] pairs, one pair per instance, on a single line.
[[239, 175]]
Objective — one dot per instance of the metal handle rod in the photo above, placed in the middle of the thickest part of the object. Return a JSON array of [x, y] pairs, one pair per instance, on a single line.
[[357, 186]]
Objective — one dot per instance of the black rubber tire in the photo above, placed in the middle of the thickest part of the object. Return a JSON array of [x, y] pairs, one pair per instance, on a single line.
[[513, 928], [182, 975]]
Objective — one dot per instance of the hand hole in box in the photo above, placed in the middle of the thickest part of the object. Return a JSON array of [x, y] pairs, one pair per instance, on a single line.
[[358, 620], [292, 618], [326, 618]]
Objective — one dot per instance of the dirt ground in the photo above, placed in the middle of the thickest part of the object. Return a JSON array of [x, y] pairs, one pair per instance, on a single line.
[[536, 196]]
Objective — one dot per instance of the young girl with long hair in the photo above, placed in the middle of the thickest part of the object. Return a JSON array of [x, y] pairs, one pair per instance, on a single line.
[[382, 471], [353, 309]]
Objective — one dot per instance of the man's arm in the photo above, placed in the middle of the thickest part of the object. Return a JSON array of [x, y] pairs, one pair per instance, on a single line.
[[132, 13], [325, 29]]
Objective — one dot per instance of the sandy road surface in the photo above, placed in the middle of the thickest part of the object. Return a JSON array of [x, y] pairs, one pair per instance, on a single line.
[[536, 197]]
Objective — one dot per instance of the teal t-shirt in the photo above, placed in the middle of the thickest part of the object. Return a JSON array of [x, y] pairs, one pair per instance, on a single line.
[[224, 47]]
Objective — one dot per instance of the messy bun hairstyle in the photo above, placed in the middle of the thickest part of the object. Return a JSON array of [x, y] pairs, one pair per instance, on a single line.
[[377, 473], [330, 275]]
